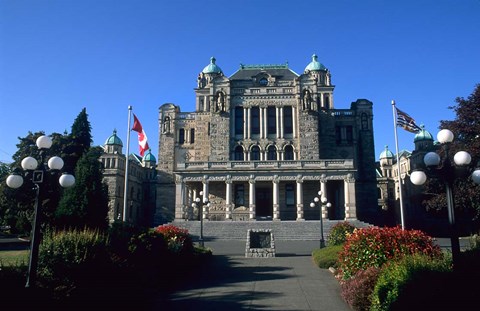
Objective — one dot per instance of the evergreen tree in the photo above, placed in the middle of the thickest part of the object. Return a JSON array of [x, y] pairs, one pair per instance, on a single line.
[[80, 140], [85, 204]]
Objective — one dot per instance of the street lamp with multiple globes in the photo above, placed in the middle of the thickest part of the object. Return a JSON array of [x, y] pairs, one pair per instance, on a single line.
[[322, 207], [38, 173], [447, 172], [200, 204]]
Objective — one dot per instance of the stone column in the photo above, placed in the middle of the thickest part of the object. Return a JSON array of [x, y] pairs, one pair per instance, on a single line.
[[294, 121], [350, 206], [281, 122], [205, 197], [228, 198], [251, 196], [179, 204], [321, 100], [277, 121], [248, 125], [245, 123], [189, 201], [276, 197], [300, 198], [261, 122]]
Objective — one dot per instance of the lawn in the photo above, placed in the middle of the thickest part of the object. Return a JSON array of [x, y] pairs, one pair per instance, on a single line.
[[13, 257]]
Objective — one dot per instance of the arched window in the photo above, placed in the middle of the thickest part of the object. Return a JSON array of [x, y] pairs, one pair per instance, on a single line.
[[271, 153], [288, 153], [255, 153], [238, 153]]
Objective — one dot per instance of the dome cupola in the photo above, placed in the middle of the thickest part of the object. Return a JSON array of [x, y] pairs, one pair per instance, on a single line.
[[423, 135], [114, 139], [113, 144], [315, 65], [386, 154], [212, 67]]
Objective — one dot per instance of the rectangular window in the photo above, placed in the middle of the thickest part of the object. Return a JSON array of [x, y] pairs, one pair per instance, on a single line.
[[192, 136], [271, 120], [238, 120], [289, 194], [287, 120], [239, 196], [255, 122], [181, 136], [349, 134]]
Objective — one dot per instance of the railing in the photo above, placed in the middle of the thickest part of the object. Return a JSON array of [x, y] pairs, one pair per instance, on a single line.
[[248, 165]]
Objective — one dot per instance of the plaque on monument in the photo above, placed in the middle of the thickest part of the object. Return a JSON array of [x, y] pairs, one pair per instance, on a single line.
[[260, 243]]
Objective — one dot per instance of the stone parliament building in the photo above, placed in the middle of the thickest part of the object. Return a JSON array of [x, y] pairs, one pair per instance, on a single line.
[[259, 146]]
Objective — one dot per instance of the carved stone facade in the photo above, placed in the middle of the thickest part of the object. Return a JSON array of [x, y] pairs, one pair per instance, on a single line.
[[261, 144]]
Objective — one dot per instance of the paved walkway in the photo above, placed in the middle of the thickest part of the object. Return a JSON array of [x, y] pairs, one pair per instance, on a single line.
[[289, 281]]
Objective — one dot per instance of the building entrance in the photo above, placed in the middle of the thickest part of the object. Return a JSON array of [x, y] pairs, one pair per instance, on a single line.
[[263, 202]]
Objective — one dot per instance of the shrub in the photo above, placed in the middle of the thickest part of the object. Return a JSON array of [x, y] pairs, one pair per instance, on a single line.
[[339, 232], [357, 291], [372, 247], [70, 258], [178, 240], [404, 284], [326, 257]]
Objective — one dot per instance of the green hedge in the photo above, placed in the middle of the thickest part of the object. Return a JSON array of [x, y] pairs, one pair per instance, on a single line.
[[415, 281], [326, 257]]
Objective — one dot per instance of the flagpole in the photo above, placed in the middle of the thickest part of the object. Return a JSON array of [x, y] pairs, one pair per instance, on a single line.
[[127, 155], [398, 165]]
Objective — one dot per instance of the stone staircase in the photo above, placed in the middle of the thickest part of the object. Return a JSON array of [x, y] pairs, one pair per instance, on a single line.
[[282, 230]]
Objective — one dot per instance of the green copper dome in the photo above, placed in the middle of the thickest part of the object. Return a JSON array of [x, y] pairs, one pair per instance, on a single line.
[[315, 65], [423, 135], [148, 157], [386, 154], [114, 140], [212, 67]]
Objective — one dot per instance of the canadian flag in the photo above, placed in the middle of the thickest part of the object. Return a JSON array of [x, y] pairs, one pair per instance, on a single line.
[[142, 137]]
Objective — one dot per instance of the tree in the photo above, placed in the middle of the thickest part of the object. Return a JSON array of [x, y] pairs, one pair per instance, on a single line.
[[466, 127], [80, 140], [86, 204]]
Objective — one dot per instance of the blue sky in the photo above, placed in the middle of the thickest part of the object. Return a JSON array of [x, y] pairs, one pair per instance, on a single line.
[[57, 57]]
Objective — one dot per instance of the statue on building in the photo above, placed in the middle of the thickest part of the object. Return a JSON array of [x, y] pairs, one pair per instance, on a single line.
[[201, 81], [220, 102], [307, 100], [166, 125]]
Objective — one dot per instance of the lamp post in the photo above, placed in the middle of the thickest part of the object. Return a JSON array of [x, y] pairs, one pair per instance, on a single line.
[[321, 206], [447, 172], [200, 203], [38, 173]]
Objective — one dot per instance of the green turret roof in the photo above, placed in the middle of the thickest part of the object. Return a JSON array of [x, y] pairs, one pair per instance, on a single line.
[[315, 65], [148, 157], [386, 154], [212, 67], [114, 139], [423, 135]]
